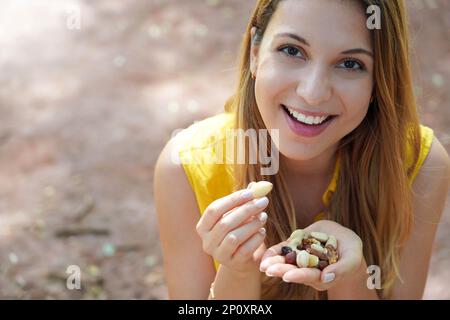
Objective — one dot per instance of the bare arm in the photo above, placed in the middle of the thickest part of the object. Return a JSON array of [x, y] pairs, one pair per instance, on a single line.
[[188, 268], [430, 191]]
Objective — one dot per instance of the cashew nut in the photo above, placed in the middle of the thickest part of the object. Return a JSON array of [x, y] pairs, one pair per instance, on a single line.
[[260, 189], [322, 237], [303, 259], [331, 242]]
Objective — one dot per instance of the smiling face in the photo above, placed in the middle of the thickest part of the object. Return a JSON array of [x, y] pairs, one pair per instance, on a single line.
[[314, 74]]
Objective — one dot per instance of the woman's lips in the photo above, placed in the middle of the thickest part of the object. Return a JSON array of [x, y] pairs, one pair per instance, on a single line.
[[303, 129]]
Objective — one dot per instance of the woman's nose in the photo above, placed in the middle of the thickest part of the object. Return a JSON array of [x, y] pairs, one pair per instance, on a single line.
[[314, 86]]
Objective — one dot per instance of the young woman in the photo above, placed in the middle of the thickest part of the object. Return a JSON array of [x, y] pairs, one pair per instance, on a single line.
[[354, 162]]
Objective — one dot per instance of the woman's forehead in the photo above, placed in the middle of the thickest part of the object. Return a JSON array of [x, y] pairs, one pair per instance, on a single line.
[[330, 23]]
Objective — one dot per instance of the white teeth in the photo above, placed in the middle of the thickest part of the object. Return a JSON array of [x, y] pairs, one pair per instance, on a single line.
[[309, 120], [301, 117], [306, 119]]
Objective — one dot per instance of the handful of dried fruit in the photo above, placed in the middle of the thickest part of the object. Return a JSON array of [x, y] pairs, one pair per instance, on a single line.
[[310, 250]]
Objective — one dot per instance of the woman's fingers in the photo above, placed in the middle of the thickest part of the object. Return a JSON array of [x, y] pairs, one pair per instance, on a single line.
[[267, 262], [237, 219], [306, 276], [233, 239], [241, 214], [274, 250], [220, 206], [279, 269], [349, 261], [257, 255], [248, 248]]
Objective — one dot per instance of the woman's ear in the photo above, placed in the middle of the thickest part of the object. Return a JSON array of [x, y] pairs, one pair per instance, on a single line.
[[254, 49]]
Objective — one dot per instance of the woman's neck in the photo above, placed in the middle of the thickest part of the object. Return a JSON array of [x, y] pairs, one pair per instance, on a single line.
[[307, 181], [318, 168]]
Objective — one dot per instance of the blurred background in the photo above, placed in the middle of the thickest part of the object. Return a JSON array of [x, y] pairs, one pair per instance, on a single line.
[[90, 91]]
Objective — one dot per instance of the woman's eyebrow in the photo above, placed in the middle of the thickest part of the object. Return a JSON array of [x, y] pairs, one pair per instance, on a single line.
[[303, 40], [293, 36], [358, 50]]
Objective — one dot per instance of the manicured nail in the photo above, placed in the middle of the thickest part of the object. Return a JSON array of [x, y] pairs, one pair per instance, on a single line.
[[285, 280], [271, 271], [262, 231], [261, 203], [263, 266], [328, 277], [262, 217], [246, 194]]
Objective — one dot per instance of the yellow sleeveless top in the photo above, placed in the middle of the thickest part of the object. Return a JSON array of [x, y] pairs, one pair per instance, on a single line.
[[201, 148]]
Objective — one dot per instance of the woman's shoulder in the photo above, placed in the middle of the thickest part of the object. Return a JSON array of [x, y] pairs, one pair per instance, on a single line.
[[436, 160], [438, 155], [426, 139], [432, 183], [205, 132], [177, 214], [433, 164], [201, 150]]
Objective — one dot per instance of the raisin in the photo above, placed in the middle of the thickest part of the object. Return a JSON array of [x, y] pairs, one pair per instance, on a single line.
[[322, 264], [291, 258], [285, 250]]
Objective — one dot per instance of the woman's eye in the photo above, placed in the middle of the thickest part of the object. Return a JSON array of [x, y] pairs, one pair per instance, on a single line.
[[291, 51], [351, 65]]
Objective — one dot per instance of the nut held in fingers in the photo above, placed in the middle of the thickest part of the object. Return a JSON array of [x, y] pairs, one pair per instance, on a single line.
[[260, 189]]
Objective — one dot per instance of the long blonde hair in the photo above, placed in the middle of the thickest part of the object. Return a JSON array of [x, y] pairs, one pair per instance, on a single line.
[[373, 196]]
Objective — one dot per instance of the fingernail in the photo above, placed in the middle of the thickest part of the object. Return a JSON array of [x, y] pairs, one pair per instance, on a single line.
[[262, 217], [328, 277], [246, 194], [262, 231], [261, 203], [285, 280], [271, 270], [262, 266], [269, 274]]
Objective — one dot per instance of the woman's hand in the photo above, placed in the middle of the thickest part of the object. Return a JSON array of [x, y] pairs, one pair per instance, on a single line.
[[349, 262], [231, 229]]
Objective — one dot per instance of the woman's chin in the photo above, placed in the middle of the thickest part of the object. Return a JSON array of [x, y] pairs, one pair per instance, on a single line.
[[298, 148], [299, 151]]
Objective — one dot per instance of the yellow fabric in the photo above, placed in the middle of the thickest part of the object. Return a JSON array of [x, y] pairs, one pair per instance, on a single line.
[[425, 145], [203, 143]]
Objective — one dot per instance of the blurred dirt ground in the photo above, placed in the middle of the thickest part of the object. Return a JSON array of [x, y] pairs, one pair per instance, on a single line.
[[85, 112]]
